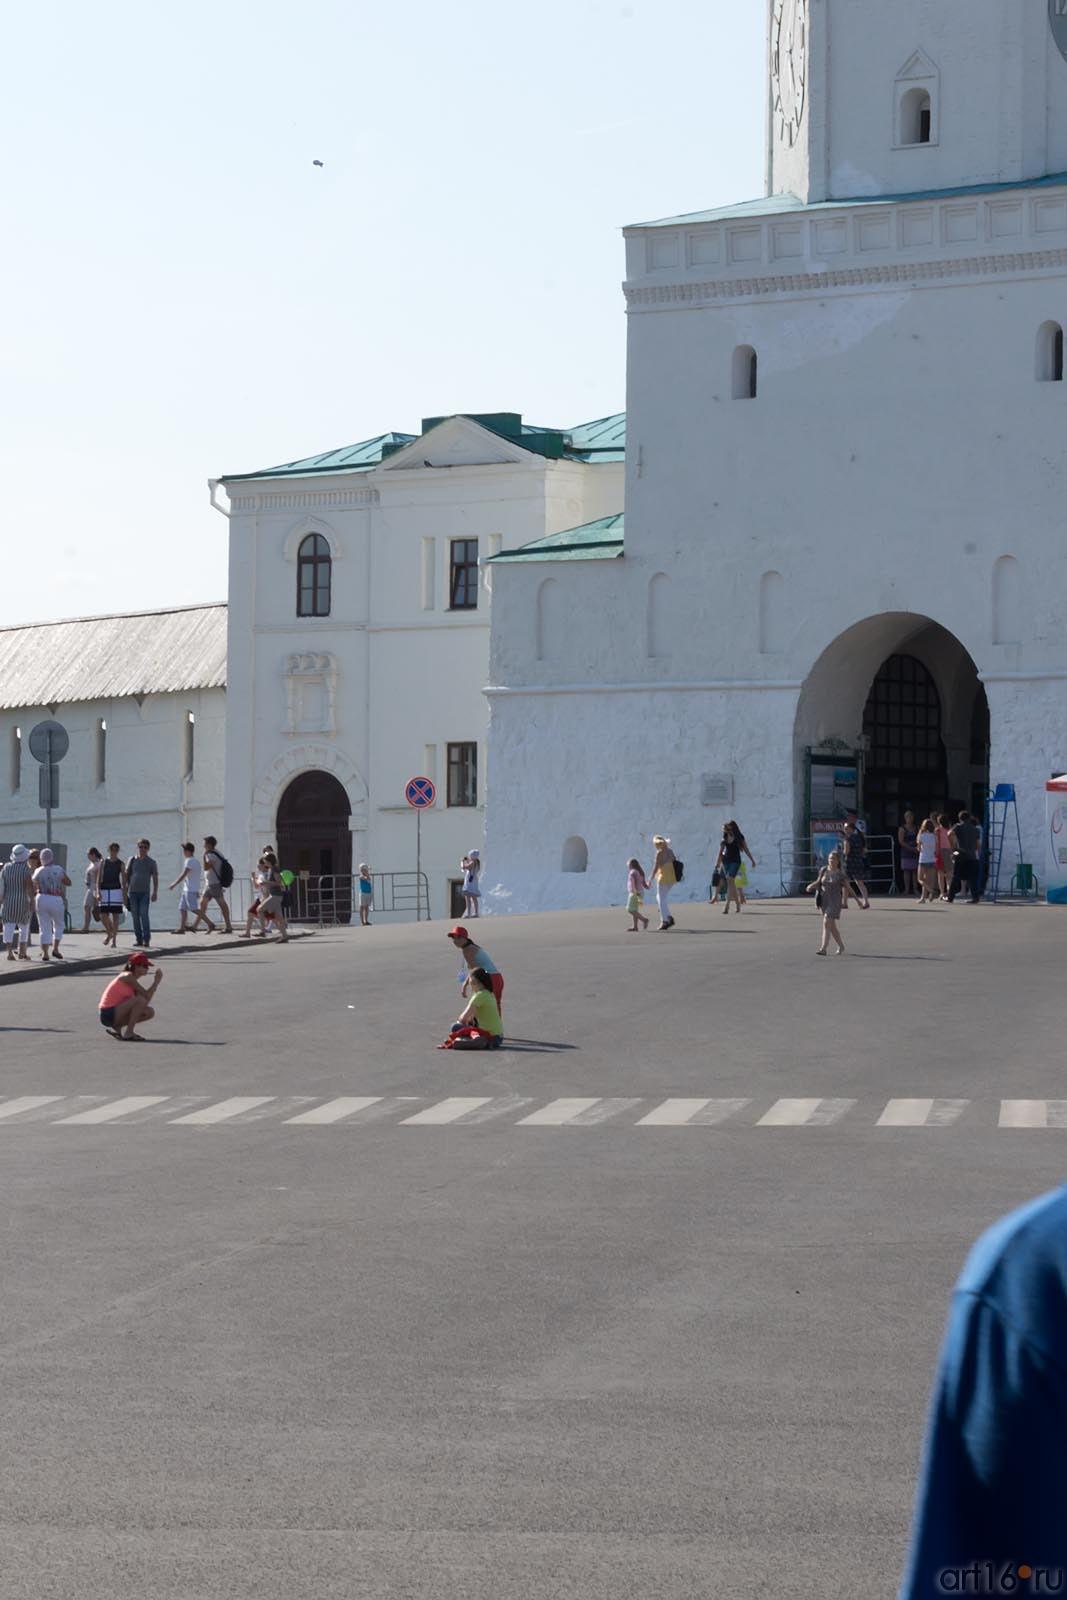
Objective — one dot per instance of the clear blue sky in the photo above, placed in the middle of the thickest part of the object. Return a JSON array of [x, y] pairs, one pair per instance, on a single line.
[[185, 294]]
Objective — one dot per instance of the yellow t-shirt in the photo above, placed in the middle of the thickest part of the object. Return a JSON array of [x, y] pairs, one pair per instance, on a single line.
[[665, 874], [486, 1012]]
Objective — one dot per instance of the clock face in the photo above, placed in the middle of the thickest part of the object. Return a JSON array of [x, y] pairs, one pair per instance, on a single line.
[[789, 65]]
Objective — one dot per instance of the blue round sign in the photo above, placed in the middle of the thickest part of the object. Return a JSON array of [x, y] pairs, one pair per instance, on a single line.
[[420, 793]]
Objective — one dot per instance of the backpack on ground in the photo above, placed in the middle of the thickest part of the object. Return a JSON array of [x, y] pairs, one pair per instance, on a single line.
[[224, 871]]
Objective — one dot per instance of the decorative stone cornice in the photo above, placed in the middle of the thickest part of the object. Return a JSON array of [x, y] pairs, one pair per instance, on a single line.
[[902, 273], [301, 500]]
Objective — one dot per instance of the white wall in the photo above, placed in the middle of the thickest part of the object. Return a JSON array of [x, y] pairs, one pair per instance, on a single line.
[[898, 448], [143, 794], [410, 673]]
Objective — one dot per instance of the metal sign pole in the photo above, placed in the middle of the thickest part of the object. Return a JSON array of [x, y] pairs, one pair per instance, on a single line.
[[48, 792], [418, 864]]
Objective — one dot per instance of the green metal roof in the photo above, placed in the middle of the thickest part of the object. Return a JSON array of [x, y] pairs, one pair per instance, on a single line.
[[603, 440], [775, 204], [593, 541], [349, 458]]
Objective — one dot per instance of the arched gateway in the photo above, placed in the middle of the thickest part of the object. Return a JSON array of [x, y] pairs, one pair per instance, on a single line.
[[315, 842], [892, 717]]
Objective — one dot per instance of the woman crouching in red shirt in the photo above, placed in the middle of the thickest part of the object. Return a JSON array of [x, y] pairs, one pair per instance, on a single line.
[[124, 1003]]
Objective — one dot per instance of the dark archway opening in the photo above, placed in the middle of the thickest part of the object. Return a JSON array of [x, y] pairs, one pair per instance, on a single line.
[[315, 843], [923, 755]]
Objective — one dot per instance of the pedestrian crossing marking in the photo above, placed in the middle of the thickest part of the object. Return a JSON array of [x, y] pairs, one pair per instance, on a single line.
[[922, 1113], [805, 1113], [556, 1113], [1033, 1114], [345, 1105], [28, 1102], [223, 1110], [524, 1111], [114, 1109], [691, 1113], [449, 1110]]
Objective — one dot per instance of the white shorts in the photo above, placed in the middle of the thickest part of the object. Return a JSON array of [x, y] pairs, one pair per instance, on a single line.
[[189, 900]]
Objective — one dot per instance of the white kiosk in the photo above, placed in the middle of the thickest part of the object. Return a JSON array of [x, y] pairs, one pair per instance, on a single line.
[[1056, 814]]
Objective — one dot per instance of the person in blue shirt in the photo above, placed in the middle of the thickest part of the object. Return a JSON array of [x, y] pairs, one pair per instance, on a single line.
[[366, 894], [991, 1512]]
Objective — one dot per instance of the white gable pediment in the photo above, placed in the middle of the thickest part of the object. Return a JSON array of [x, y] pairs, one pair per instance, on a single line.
[[456, 442], [918, 68]]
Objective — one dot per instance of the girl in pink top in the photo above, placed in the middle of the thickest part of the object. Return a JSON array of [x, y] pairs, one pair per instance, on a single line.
[[636, 884]]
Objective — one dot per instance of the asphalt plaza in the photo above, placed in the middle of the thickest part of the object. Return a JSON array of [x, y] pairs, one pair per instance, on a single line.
[[482, 1355]]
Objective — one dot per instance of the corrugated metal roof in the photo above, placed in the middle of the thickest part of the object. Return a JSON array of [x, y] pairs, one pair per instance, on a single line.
[[101, 658], [601, 540], [773, 204]]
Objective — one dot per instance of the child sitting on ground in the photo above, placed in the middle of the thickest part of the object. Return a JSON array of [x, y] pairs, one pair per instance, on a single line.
[[636, 883], [480, 1027]]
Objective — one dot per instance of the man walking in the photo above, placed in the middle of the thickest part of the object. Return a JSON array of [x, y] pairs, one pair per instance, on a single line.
[[855, 853], [965, 839], [142, 886], [214, 868]]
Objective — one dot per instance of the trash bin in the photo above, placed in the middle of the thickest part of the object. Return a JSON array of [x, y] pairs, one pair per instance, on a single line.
[[1023, 882]]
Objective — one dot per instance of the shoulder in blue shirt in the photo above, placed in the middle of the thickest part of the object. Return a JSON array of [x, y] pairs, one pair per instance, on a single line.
[[993, 1490]]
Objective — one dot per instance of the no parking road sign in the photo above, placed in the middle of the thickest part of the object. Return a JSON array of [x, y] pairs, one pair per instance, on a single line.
[[420, 793]]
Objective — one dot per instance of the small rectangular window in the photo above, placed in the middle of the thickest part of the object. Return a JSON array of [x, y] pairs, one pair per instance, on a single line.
[[1057, 356], [463, 774], [188, 749], [100, 762], [16, 760], [463, 575], [924, 125]]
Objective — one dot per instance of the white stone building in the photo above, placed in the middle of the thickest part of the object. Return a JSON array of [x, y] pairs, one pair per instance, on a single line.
[[143, 700], [359, 633], [844, 563]]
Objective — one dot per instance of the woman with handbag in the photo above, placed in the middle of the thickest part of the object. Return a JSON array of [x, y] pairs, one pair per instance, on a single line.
[[665, 878], [90, 910], [831, 891], [728, 864]]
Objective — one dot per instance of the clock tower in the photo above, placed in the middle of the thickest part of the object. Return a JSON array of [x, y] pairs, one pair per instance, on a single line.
[[881, 97]]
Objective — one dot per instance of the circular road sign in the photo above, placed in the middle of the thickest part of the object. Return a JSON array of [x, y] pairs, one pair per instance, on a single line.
[[420, 793], [39, 741]]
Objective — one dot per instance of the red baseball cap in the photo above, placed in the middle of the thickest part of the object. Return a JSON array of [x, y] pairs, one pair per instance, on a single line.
[[458, 933], [138, 959]]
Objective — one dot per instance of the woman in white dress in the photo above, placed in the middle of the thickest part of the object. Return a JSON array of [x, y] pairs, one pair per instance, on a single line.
[[92, 876]]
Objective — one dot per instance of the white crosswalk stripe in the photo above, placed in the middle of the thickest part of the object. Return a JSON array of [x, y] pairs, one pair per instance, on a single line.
[[691, 1113], [446, 1111], [1033, 1114], [27, 1102], [556, 1113], [922, 1113], [805, 1113], [346, 1105], [115, 1109], [221, 1112]]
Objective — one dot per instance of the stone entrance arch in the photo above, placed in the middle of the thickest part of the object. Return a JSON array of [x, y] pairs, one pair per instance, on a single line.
[[311, 757], [904, 690]]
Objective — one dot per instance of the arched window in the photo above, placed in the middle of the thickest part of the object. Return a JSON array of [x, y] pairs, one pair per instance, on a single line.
[[1049, 365], [575, 855], [313, 577], [745, 372], [916, 114]]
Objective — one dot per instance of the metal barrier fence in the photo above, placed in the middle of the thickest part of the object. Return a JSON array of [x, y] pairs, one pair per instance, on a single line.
[[333, 898], [798, 864]]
